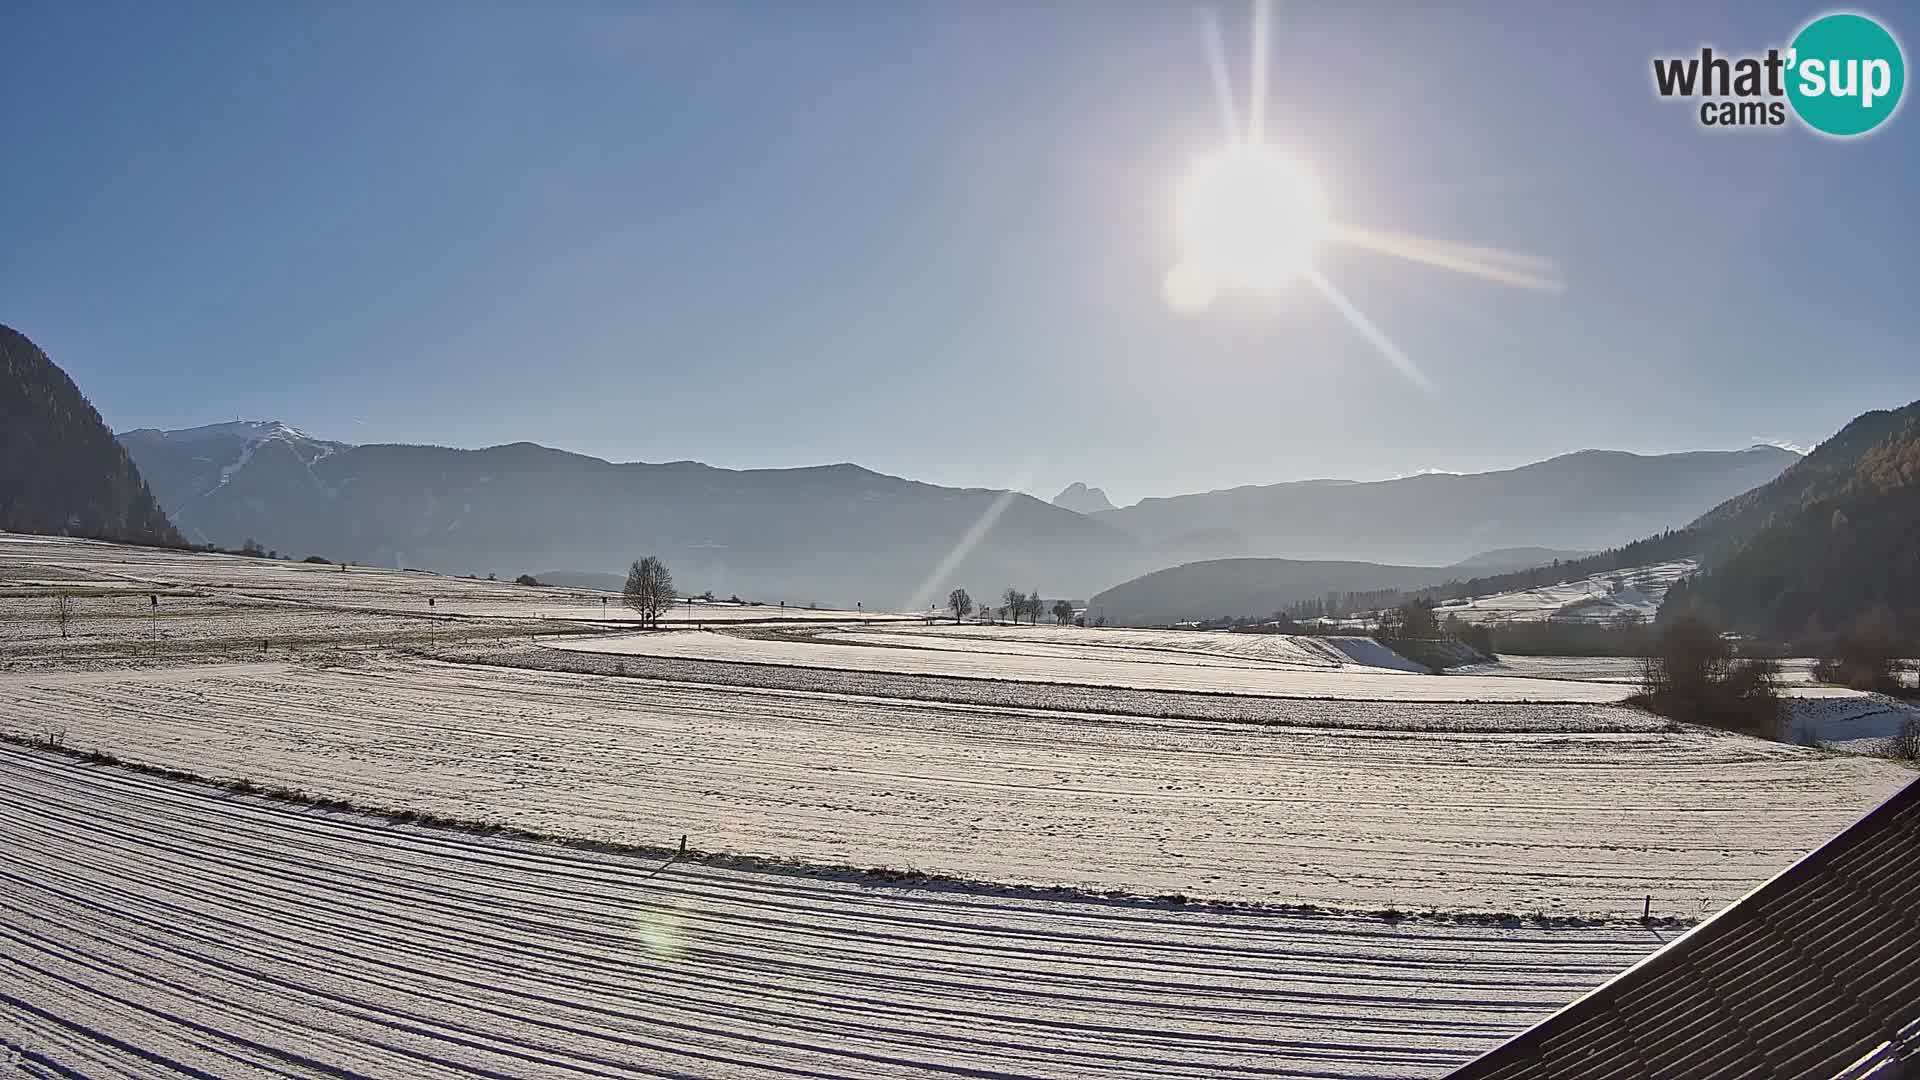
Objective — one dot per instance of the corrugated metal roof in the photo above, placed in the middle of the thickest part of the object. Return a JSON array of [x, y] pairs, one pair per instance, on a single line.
[[1815, 973]]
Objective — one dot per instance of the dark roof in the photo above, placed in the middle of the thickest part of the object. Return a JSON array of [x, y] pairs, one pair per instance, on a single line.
[[1815, 972]]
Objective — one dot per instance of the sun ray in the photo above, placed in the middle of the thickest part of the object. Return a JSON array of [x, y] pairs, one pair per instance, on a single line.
[[1458, 308], [1491, 264], [1257, 102], [1367, 330], [928, 591], [1217, 64]]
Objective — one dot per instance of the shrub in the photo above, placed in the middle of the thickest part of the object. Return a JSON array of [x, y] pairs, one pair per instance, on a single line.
[[1692, 676], [1865, 654], [1906, 745]]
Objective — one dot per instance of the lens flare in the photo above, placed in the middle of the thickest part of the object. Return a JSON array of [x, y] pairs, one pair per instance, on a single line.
[[1490, 264], [1189, 289], [661, 930]]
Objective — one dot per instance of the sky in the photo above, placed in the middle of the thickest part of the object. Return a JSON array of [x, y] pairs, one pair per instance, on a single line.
[[930, 238]]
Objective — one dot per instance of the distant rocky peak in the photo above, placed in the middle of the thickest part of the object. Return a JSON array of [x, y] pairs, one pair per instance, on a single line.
[[1082, 499]]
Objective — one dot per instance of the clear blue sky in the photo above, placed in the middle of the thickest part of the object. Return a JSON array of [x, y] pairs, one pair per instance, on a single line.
[[929, 238]]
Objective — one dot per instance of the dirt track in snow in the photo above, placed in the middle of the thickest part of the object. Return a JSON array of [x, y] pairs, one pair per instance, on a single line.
[[233, 937]]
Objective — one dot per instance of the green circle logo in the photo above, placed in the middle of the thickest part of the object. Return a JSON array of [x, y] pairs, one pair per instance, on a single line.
[[1845, 74]]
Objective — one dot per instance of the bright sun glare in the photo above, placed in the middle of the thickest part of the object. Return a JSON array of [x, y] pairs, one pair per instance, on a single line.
[[1252, 218]]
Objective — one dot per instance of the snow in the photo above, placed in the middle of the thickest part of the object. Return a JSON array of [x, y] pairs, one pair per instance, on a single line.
[[1853, 722], [1392, 808], [243, 429], [1093, 664], [1624, 670], [1589, 599], [1370, 653], [242, 938], [155, 928], [246, 455], [369, 590]]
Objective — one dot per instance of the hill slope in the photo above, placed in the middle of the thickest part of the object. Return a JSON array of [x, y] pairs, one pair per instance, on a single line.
[[1825, 543], [1247, 588], [1822, 474], [60, 469], [1585, 500], [182, 466]]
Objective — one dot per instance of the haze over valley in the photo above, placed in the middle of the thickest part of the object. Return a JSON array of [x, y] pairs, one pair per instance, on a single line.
[[842, 534]]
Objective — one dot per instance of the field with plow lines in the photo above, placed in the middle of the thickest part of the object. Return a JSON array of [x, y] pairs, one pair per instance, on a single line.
[[1468, 817], [158, 929], [261, 818]]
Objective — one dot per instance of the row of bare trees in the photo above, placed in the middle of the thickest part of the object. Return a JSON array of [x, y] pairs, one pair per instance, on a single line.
[[1014, 605]]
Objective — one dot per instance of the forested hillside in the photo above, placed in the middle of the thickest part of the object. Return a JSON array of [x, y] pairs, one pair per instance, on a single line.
[[1833, 551], [60, 469], [1821, 475]]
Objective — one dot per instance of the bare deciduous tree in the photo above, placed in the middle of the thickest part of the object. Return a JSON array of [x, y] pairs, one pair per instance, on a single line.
[[960, 604], [1062, 612], [649, 590], [63, 612], [1013, 603], [1034, 605]]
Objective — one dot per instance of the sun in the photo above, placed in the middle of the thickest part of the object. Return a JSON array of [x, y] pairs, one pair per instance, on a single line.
[[1250, 216]]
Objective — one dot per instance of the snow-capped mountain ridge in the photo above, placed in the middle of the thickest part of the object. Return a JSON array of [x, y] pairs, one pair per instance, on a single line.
[[186, 466], [253, 430]]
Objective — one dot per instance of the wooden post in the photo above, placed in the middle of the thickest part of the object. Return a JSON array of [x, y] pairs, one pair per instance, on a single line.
[[1646, 911]]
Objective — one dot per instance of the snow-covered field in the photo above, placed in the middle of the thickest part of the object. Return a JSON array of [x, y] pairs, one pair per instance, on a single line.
[[1853, 722], [40, 564], [121, 623], [153, 928], [226, 936], [1093, 664], [1611, 669], [1562, 822], [1138, 646], [1591, 599]]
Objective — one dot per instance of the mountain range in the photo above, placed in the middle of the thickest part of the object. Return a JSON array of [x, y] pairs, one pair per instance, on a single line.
[[1584, 500], [841, 534], [1783, 540], [832, 534]]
